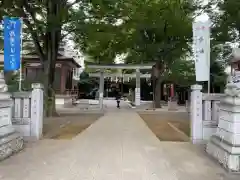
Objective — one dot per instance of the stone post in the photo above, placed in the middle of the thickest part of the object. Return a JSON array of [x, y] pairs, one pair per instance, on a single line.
[[138, 88], [36, 111], [224, 145], [196, 121], [101, 89], [10, 141]]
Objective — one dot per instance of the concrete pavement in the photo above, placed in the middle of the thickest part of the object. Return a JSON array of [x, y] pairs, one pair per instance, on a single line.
[[119, 146]]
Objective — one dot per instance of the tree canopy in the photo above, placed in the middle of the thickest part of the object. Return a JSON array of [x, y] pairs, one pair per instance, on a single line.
[[145, 30], [46, 22], [225, 35], [157, 31]]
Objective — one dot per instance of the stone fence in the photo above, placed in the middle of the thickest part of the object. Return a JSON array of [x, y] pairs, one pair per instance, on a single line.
[[204, 114], [21, 116], [27, 112]]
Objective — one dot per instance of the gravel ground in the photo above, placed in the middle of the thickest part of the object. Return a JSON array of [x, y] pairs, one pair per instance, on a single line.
[[168, 126]]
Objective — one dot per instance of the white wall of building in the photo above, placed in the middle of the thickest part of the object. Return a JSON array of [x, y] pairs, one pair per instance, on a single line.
[[78, 57]]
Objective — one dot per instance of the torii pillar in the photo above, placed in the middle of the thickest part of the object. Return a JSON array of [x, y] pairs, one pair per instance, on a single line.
[[138, 89], [101, 89]]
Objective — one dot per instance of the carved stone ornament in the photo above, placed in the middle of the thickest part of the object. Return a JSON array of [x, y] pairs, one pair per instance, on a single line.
[[3, 85], [232, 89], [233, 86]]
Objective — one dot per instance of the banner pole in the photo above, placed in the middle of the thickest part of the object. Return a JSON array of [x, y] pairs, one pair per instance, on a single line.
[[20, 69], [209, 84], [209, 57]]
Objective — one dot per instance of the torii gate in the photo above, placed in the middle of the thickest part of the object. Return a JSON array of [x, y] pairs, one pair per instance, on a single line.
[[137, 67]]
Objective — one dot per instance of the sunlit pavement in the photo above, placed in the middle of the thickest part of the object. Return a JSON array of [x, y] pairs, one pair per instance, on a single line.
[[119, 146]]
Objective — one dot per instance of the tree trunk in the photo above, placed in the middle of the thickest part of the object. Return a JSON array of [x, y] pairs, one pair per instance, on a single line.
[[50, 108], [157, 71], [49, 72], [52, 39], [57, 12], [157, 92]]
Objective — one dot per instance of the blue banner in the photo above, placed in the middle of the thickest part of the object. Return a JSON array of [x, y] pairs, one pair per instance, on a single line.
[[12, 43]]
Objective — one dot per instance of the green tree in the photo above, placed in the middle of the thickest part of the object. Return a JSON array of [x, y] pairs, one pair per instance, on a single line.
[[12, 80], [147, 31], [86, 83], [225, 33], [225, 28], [226, 21], [45, 21], [182, 73], [218, 77]]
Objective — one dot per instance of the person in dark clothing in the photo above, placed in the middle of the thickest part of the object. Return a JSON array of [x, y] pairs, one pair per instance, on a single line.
[[118, 97]]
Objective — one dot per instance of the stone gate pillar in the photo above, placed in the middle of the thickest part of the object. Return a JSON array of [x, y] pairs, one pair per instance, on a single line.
[[224, 145], [196, 123]]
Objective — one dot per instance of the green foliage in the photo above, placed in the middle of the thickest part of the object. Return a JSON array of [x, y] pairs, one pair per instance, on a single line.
[[84, 78], [146, 30], [182, 73], [12, 80], [225, 31], [227, 21], [45, 22], [86, 83], [218, 75], [225, 28]]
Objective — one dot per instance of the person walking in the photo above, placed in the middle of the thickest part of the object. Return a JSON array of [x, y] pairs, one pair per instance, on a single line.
[[118, 97]]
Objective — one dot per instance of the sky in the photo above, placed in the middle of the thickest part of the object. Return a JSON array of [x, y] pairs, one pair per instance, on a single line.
[[203, 17]]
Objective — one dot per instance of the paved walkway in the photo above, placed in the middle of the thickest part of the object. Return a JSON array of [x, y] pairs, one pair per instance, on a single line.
[[119, 146]]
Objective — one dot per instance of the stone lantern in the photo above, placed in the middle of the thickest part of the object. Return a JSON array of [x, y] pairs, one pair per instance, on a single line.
[[235, 59], [10, 140], [224, 145]]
